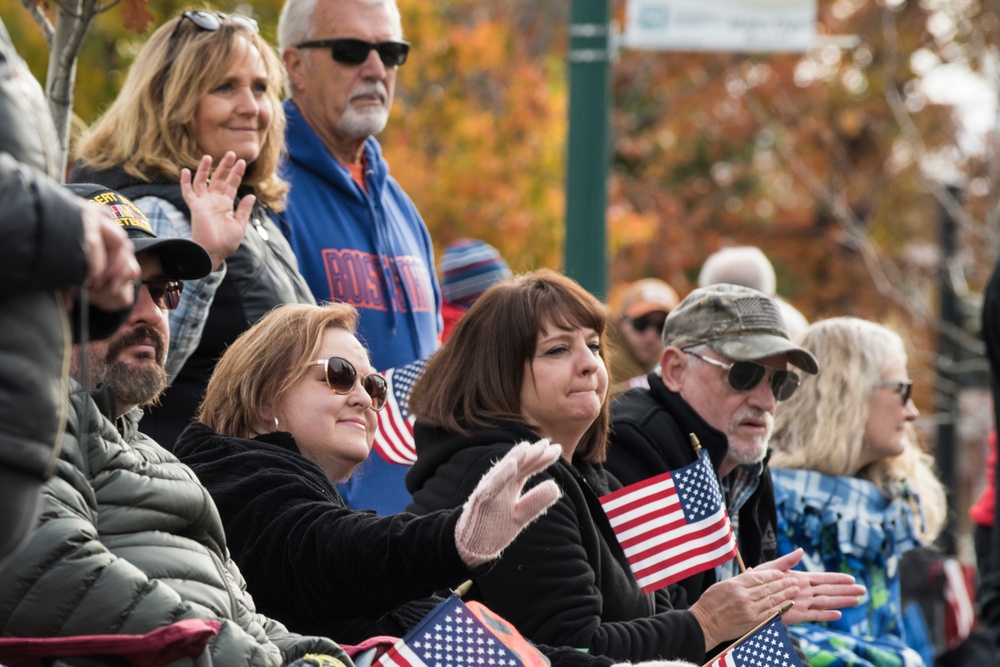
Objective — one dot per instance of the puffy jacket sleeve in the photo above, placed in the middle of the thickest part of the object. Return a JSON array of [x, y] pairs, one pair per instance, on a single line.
[[90, 569], [43, 231]]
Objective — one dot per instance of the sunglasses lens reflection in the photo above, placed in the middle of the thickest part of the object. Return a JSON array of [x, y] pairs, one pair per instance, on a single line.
[[340, 375]]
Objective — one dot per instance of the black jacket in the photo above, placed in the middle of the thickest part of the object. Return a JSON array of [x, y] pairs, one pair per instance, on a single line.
[[309, 560], [564, 581], [650, 435], [312, 562]]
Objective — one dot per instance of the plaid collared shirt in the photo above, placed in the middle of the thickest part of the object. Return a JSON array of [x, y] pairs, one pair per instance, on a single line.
[[737, 487], [187, 321]]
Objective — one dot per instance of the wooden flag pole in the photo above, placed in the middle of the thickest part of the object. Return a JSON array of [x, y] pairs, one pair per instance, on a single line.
[[696, 444], [788, 605]]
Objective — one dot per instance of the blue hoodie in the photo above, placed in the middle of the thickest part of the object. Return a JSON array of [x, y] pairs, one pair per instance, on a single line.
[[372, 250]]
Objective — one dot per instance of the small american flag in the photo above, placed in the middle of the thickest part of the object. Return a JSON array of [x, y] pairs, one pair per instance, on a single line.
[[767, 647], [394, 435], [458, 635], [673, 525]]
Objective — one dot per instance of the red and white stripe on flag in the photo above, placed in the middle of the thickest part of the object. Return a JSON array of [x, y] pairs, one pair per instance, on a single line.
[[394, 432], [673, 525]]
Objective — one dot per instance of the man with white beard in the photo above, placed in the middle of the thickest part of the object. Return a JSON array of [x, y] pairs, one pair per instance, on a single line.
[[721, 376], [357, 236]]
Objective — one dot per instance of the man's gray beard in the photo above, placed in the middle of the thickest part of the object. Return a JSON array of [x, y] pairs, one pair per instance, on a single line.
[[130, 386], [362, 126]]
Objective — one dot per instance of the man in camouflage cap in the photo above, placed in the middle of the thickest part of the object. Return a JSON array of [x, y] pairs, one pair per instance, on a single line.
[[721, 376]]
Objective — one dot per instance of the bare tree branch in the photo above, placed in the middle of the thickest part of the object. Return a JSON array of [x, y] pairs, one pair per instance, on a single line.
[[40, 19]]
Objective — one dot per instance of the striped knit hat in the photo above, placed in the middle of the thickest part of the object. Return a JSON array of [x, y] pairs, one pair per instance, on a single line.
[[468, 268]]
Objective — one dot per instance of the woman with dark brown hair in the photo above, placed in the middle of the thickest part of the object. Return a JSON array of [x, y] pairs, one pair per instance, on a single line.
[[525, 363]]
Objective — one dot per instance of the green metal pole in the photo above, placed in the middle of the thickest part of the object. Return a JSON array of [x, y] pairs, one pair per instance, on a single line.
[[588, 144]]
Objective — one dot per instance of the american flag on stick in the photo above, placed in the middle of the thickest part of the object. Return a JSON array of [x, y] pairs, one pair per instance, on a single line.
[[767, 645], [454, 634], [673, 525], [394, 434]]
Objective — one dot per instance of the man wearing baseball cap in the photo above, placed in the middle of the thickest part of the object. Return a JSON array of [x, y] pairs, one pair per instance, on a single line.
[[129, 540], [635, 336], [722, 373]]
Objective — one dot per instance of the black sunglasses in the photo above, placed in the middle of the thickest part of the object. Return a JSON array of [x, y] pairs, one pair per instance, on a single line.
[[166, 294], [212, 21], [349, 51], [902, 387], [341, 378], [745, 375], [640, 324]]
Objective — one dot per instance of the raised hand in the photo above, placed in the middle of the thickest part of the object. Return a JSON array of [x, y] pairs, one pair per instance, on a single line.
[[214, 224], [496, 511], [820, 594]]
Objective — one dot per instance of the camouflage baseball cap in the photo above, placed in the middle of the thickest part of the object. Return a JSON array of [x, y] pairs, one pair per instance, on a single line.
[[738, 322]]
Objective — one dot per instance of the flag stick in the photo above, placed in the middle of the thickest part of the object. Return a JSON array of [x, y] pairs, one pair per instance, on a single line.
[[788, 605], [462, 588], [696, 444]]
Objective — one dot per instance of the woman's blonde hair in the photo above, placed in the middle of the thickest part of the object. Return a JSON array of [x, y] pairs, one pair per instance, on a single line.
[[475, 379], [150, 128], [822, 426], [264, 362]]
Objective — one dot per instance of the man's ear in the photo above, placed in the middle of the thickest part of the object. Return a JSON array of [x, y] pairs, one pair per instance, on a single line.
[[294, 66], [673, 366]]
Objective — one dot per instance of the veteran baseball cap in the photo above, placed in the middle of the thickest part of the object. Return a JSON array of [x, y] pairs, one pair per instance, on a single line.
[[738, 322], [181, 259]]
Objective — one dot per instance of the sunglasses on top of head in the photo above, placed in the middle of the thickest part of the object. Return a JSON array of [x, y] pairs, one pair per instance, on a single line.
[[902, 387], [166, 294], [341, 377], [745, 375], [212, 21], [350, 51]]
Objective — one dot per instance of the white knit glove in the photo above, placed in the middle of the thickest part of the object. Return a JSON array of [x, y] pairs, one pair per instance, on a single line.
[[656, 663], [496, 511]]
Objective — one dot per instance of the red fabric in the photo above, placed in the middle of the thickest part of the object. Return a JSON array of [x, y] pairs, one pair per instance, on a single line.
[[381, 644], [183, 639], [981, 512], [450, 313]]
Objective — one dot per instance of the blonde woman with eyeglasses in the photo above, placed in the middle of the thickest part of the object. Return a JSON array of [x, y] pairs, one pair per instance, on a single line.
[[853, 487], [194, 138]]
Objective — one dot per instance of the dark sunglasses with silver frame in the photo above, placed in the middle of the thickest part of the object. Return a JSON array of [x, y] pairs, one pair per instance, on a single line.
[[902, 387], [350, 51], [745, 375], [341, 376], [166, 294]]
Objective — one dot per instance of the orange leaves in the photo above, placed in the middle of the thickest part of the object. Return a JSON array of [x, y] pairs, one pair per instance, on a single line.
[[136, 15]]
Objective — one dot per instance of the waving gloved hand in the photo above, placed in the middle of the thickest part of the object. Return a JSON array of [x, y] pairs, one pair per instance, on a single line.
[[496, 511]]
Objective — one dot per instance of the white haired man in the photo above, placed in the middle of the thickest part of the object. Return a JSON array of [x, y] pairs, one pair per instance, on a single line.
[[357, 236]]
